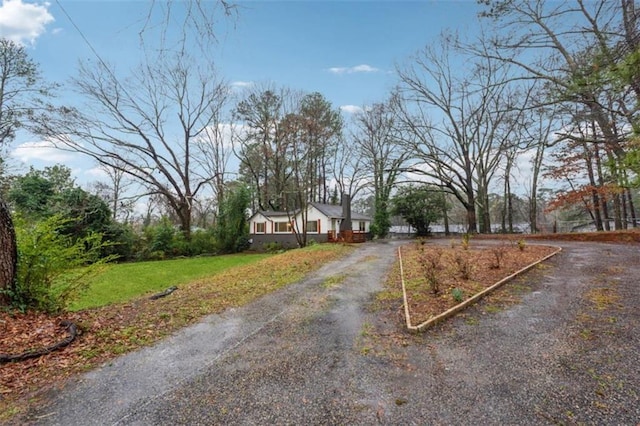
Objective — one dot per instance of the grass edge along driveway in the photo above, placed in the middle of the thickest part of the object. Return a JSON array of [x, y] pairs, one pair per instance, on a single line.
[[112, 330]]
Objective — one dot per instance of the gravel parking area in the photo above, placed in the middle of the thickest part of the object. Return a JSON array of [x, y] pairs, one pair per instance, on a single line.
[[568, 354]]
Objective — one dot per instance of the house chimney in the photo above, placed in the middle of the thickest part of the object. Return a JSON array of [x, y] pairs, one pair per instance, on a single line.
[[345, 225]]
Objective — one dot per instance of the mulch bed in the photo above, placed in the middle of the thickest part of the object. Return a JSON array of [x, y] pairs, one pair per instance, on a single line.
[[459, 273]]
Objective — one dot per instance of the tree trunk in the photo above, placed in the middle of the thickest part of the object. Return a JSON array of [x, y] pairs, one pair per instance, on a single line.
[[510, 210], [487, 212], [623, 198], [507, 205], [447, 232], [533, 215], [8, 253], [603, 198], [615, 176], [533, 201], [617, 209], [595, 197], [472, 227], [632, 208], [483, 208], [184, 214]]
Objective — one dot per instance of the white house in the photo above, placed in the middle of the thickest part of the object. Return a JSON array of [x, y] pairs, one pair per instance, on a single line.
[[324, 222]]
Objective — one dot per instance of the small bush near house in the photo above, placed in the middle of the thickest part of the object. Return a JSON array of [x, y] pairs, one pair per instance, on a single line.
[[273, 247], [164, 241], [202, 242], [161, 237], [430, 262], [498, 254]]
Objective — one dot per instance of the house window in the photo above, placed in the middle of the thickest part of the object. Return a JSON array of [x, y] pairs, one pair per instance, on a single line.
[[362, 226], [260, 227], [282, 227], [312, 226]]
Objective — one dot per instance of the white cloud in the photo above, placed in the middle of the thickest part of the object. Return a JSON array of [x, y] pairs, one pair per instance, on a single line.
[[351, 109], [351, 70], [23, 22], [420, 173], [44, 151], [241, 84], [95, 173], [363, 68]]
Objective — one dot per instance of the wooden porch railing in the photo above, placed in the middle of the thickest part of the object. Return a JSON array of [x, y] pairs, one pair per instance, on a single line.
[[347, 237]]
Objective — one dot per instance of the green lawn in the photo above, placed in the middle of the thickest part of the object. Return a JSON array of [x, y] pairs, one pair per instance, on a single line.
[[122, 282]]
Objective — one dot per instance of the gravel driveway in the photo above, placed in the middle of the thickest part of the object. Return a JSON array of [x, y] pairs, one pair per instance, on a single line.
[[568, 353]]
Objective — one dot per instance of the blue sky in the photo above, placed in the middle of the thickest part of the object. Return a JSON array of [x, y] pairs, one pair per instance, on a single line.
[[346, 50], [299, 44]]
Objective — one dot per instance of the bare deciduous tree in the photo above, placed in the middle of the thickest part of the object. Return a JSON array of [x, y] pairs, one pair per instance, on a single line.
[[213, 155], [458, 124], [585, 52], [117, 192], [377, 143], [538, 132], [349, 170], [147, 124]]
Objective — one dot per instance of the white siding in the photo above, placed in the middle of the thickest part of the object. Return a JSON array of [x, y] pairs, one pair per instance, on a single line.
[[314, 214], [260, 218], [325, 224]]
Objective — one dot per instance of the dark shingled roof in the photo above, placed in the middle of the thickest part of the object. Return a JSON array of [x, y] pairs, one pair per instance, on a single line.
[[329, 210], [333, 211]]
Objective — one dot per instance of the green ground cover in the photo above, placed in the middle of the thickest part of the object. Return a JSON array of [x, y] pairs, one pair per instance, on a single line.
[[122, 282]]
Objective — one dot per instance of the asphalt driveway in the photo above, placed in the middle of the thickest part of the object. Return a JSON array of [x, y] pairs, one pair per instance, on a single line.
[[568, 353]]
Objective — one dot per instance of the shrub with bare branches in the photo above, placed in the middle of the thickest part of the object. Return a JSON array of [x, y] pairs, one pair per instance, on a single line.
[[430, 262]]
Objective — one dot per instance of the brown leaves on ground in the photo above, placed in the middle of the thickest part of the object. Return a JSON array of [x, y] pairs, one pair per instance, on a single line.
[[624, 236], [107, 332], [458, 274]]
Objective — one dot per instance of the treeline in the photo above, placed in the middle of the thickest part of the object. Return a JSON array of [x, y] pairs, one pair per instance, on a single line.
[[40, 195], [551, 88], [65, 234]]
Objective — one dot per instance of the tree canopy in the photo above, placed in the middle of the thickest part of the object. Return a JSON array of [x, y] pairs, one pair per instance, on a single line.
[[419, 205]]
